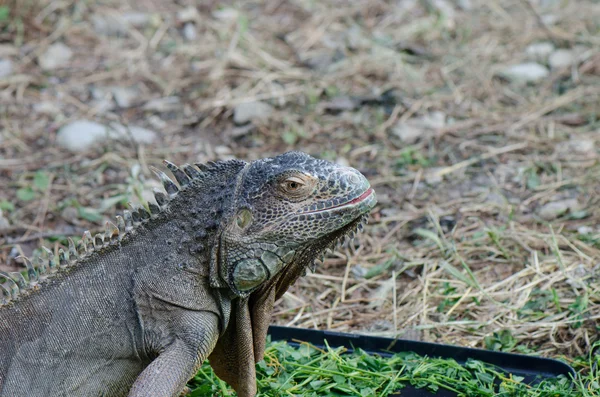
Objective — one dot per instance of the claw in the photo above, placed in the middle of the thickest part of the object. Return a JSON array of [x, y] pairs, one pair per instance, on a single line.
[[110, 231], [32, 275], [72, 251], [144, 214], [160, 197], [98, 241], [128, 220], [169, 185], [13, 288], [191, 171], [120, 225], [136, 217], [40, 264], [81, 249], [62, 258], [51, 260], [154, 209], [88, 241], [181, 176], [6, 298]]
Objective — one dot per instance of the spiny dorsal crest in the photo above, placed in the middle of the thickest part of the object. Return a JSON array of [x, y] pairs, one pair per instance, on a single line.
[[17, 284]]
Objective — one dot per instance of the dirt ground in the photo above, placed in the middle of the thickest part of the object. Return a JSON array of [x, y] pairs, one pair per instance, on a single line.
[[487, 231]]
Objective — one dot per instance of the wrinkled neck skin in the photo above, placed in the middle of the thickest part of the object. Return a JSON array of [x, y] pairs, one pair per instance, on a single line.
[[243, 261], [201, 211], [189, 229]]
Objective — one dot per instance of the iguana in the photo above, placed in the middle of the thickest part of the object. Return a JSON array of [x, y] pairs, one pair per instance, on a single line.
[[136, 310]]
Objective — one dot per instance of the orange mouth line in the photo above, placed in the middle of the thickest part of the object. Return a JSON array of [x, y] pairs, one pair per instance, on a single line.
[[359, 198], [356, 200]]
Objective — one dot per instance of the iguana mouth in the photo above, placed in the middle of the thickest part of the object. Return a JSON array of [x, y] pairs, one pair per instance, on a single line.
[[357, 200], [368, 194]]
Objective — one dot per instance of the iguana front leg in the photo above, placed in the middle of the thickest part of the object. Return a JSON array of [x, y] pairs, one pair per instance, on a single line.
[[196, 334]]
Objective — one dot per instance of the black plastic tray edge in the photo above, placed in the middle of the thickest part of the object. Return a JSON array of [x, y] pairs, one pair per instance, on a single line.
[[510, 362]]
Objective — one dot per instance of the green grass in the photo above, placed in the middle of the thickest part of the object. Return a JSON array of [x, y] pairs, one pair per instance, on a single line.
[[309, 371]]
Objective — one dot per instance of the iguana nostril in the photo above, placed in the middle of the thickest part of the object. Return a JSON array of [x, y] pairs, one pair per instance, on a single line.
[[354, 179]]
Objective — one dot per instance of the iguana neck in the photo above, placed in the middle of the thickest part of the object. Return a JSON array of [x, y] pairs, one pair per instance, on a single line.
[[199, 211], [187, 223]]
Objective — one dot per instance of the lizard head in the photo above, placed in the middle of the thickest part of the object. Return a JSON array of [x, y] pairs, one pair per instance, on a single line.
[[288, 210]]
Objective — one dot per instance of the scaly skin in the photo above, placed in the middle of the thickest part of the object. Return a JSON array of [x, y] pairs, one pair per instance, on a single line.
[[138, 314]]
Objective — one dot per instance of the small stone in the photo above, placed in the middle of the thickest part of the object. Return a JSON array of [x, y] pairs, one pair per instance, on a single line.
[[321, 61], [389, 212], [102, 105], [576, 276], [539, 52], [189, 31], [109, 25], [136, 19], [226, 14], [411, 130], [530, 72], [555, 209], [47, 108], [99, 93], [222, 150], [56, 56], [70, 214], [561, 59], [465, 5], [189, 14], [243, 130], [124, 97], [7, 50], [433, 120], [6, 68], [550, 19], [356, 38], [138, 134], [582, 146], [549, 3], [252, 111], [407, 132], [445, 9], [585, 230], [82, 135], [4, 223], [359, 271], [380, 325], [156, 122], [164, 104], [339, 104], [496, 198], [433, 177]]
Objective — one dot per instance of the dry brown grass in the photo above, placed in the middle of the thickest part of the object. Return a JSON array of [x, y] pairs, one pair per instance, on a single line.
[[462, 253]]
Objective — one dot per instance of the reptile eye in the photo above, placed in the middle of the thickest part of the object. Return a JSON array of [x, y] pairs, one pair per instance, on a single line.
[[293, 184], [297, 186]]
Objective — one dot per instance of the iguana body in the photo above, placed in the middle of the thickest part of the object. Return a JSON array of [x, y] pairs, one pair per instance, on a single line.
[[136, 311]]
